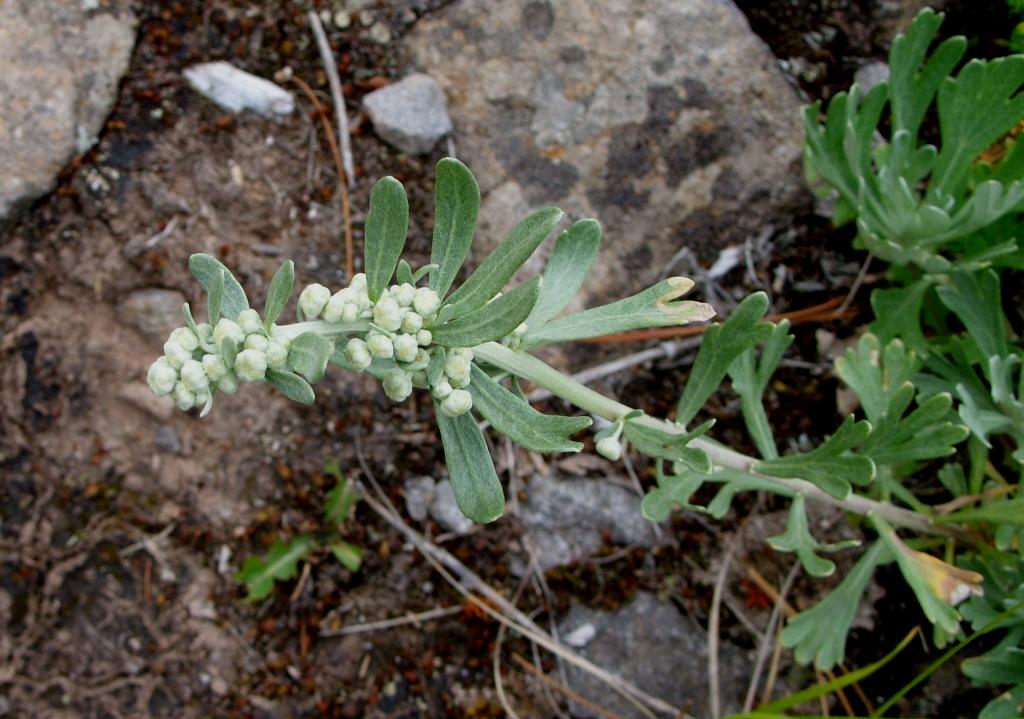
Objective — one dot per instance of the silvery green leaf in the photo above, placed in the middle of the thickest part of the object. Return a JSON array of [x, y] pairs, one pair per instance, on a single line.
[[663, 445], [570, 262], [206, 269], [348, 555], [278, 293], [422, 272], [913, 87], [722, 344], [797, 538], [926, 433], [216, 298], [207, 406], [819, 634], [672, 490], [490, 322], [291, 386], [186, 312], [474, 481], [880, 377], [654, 307], [456, 205], [435, 369], [308, 355], [520, 422], [976, 300], [750, 379], [228, 351], [403, 275], [499, 267], [828, 466], [387, 225]]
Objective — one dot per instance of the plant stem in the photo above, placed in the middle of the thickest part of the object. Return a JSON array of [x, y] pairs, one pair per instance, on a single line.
[[540, 373], [322, 328]]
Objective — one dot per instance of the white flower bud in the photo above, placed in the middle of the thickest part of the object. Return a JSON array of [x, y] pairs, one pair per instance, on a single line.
[[351, 312], [456, 366], [387, 314], [161, 377], [193, 376], [442, 389], [251, 365], [426, 301], [458, 402], [398, 385], [184, 397], [228, 384], [227, 329], [256, 342], [358, 354], [412, 322], [185, 337], [313, 300], [214, 367], [336, 305], [249, 320], [176, 354], [424, 338], [379, 345], [609, 447], [277, 355], [358, 281], [460, 382], [464, 352], [404, 294], [406, 348]]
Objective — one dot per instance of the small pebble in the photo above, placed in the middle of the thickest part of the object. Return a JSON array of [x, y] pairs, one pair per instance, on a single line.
[[380, 34], [167, 439]]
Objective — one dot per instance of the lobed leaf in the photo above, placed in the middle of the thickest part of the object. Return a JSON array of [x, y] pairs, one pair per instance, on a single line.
[[493, 321], [456, 205], [280, 563], [567, 268], [348, 555], [798, 539], [474, 481], [387, 225], [975, 298], [206, 270], [339, 501], [520, 422], [750, 379], [654, 307], [662, 445]]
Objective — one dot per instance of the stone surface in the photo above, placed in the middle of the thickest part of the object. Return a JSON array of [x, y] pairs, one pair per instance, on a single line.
[[61, 66], [445, 510], [668, 121], [419, 494], [651, 644], [567, 519], [411, 114], [152, 311], [167, 439]]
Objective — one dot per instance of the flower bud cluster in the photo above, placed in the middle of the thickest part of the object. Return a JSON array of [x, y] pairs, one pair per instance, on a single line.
[[194, 366]]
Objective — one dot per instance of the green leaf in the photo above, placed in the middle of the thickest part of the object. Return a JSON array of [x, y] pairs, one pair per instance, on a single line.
[[474, 481], [975, 298], [280, 563], [186, 312], [880, 378], [1006, 706], [499, 267], [654, 307], [403, 275], [348, 555], [828, 466], [722, 344], [491, 322], [387, 225], [216, 298], [1000, 512], [672, 490], [567, 268], [291, 386], [819, 634], [797, 538], [339, 502], [308, 355], [206, 270], [926, 433], [278, 293], [516, 419], [898, 315], [456, 205], [662, 445], [228, 351], [750, 380]]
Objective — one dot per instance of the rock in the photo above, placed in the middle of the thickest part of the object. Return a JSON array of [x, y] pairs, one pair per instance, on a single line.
[[893, 16], [141, 396], [871, 74], [61, 68], [168, 440], [411, 114], [445, 511], [649, 643], [689, 137], [236, 90], [566, 519], [419, 494], [152, 311]]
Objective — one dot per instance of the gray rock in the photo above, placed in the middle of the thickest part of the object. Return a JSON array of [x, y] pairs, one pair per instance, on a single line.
[[167, 439], [411, 114], [670, 122], [651, 644], [152, 311], [871, 74], [61, 67], [567, 519], [141, 396], [445, 510], [419, 495]]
